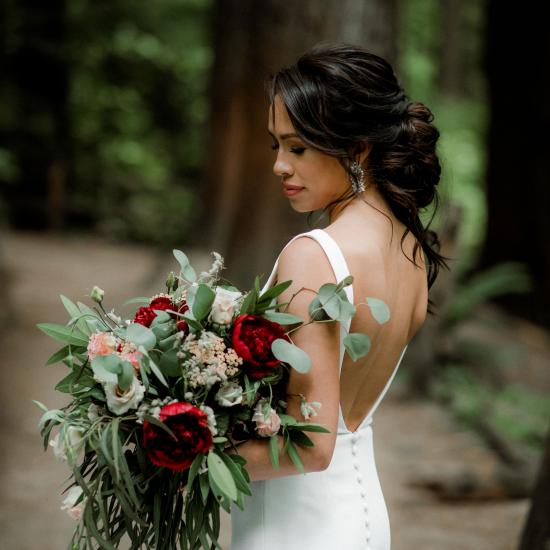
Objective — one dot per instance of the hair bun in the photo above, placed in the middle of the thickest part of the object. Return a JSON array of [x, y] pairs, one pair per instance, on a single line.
[[412, 163]]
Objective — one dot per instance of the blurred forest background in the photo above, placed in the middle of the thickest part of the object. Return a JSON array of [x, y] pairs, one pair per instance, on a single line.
[[127, 125]]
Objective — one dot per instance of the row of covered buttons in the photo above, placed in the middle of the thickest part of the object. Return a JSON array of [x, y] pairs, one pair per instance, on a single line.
[[363, 494]]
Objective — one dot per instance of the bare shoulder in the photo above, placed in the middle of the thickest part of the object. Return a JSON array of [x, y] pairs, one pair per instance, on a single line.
[[305, 260]]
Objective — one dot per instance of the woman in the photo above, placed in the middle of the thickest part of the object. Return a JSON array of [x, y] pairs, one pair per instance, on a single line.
[[349, 141]]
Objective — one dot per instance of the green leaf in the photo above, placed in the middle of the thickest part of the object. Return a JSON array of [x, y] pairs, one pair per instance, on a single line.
[[275, 291], [153, 366], [291, 354], [107, 367], [240, 481], [282, 318], [40, 405], [186, 270], [301, 438], [169, 363], [126, 375], [287, 420], [58, 356], [307, 427], [204, 486], [141, 336], [249, 302], [204, 298], [219, 473], [295, 457], [64, 334], [379, 309], [75, 314], [357, 344], [193, 470], [274, 451]]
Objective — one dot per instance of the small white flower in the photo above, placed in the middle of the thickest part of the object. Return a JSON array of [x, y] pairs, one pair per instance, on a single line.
[[211, 418], [69, 443], [69, 504], [308, 408], [120, 402], [224, 305], [229, 394]]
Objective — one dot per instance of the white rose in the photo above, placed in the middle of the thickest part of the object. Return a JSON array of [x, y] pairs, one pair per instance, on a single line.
[[71, 445], [69, 504], [229, 394], [119, 402], [224, 305]]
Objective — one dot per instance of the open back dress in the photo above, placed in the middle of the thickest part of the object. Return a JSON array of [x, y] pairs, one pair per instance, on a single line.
[[342, 507]]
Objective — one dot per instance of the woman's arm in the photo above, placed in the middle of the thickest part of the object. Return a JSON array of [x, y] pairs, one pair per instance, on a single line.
[[305, 263], [258, 463]]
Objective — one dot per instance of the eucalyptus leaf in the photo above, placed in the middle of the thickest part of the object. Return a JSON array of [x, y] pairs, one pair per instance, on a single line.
[[141, 336], [106, 368], [282, 318], [187, 271], [287, 352], [169, 363], [357, 344], [137, 300], [379, 309], [126, 375], [204, 298]]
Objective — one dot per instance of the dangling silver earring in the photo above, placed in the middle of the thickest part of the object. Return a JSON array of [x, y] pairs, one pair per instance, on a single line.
[[357, 177]]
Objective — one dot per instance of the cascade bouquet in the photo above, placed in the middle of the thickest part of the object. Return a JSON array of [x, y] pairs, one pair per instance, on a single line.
[[158, 399]]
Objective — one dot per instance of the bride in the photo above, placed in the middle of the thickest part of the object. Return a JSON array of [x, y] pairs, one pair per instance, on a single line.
[[348, 141]]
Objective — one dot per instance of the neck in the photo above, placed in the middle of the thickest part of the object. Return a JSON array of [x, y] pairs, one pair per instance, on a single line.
[[370, 196]]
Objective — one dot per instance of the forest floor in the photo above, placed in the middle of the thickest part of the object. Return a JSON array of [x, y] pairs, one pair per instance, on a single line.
[[413, 439]]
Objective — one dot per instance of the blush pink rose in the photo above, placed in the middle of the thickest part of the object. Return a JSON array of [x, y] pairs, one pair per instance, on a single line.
[[132, 357], [101, 343], [266, 427]]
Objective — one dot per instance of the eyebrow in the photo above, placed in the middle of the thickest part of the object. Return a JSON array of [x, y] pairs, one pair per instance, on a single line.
[[284, 136]]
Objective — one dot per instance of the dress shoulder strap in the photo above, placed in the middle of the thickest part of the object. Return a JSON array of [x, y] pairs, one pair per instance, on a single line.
[[334, 255]]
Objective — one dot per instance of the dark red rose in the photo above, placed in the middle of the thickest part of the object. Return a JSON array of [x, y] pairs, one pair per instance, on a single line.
[[181, 324], [252, 336], [189, 424], [144, 316], [162, 302]]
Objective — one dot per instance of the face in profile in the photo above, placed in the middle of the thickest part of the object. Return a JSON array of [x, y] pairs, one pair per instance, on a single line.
[[318, 178]]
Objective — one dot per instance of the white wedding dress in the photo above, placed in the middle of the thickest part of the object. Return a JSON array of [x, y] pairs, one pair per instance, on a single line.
[[341, 507]]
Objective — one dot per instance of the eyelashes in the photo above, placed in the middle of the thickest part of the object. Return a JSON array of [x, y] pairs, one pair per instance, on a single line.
[[295, 150]]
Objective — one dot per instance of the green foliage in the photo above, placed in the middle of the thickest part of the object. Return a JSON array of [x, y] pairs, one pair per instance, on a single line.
[[517, 412], [139, 110]]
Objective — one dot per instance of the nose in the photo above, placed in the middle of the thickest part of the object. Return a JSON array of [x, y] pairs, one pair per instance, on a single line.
[[282, 167]]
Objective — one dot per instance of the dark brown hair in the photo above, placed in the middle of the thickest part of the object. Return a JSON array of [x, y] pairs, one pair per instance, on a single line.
[[340, 97]]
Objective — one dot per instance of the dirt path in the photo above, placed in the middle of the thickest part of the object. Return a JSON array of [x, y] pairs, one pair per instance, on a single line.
[[411, 439]]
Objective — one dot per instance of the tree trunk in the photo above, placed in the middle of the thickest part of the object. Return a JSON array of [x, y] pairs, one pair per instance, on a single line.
[[518, 174], [247, 218], [536, 533]]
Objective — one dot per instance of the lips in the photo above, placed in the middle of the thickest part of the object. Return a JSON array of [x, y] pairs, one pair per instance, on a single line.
[[292, 187]]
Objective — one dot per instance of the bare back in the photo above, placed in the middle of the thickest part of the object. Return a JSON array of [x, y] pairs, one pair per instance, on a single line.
[[381, 270]]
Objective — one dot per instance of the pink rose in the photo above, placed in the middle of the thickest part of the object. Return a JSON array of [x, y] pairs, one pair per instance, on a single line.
[[266, 427], [101, 343]]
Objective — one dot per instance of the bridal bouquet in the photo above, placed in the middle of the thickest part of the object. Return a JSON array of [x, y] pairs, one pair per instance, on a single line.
[[156, 400]]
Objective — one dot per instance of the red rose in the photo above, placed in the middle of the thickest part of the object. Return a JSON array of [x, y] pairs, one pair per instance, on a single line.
[[144, 316], [252, 336], [189, 424]]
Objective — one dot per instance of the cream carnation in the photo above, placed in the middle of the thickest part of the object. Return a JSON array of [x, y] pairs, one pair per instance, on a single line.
[[101, 343]]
